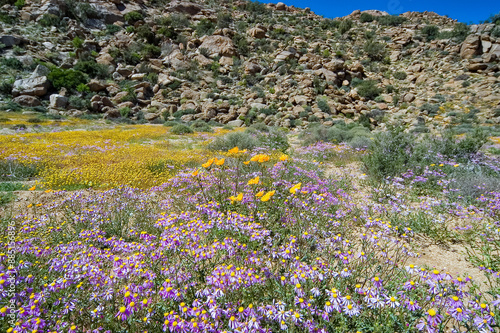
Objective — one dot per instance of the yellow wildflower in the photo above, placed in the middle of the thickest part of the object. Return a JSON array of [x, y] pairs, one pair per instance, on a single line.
[[254, 181], [267, 196], [283, 157], [219, 162], [295, 188], [195, 173], [208, 163], [261, 193]]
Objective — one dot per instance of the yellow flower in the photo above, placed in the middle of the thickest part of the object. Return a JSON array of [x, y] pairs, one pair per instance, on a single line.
[[295, 188], [239, 197], [261, 158], [195, 173], [48, 191], [30, 205], [246, 163], [261, 193], [284, 157], [267, 196], [236, 150], [441, 164], [219, 162], [456, 165], [32, 188], [208, 163], [254, 181]]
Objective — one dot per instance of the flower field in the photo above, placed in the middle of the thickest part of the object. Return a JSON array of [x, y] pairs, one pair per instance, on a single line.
[[243, 241]]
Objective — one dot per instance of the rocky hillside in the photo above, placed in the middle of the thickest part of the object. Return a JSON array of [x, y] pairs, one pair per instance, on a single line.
[[240, 62]]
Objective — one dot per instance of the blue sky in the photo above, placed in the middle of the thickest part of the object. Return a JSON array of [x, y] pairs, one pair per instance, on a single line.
[[463, 11]]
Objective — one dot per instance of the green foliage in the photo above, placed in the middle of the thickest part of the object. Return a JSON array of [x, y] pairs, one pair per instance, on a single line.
[[92, 69], [205, 27], [367, 88], [241, 44], [67, 78], [224, 20], [50, 20], [77, 42], [79, 103], [459, 33], [400, 75], [20, 4], [431, 32], [10, 187], [323, 105], [125, 112], [430, 109], [345, 26], [374, 50], [365, 17], [391, 20], [12, 170], [256, 8], [181, 113], [336, 134], [112, 29], [6, 18], [13, 63], [201, 126], [133, 17], [6, 198], [180, 129]]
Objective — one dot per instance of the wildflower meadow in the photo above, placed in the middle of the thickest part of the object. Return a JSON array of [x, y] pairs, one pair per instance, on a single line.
[[124, 230]]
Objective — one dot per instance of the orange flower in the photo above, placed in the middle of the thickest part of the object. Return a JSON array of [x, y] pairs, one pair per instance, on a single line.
[[32, 188], [208, 163], [254, 181], [261, 158], [283, 157], [261, 193], [219, 162], [236, 150], [30, 205], [195, 173], [246, 163], [48, 191]]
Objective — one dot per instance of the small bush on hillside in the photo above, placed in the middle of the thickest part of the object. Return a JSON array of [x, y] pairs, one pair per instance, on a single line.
[[400, 75], [93, 69], [205, 27], [13, 63], [224, 20], [345, 26], [133, 17], [365, 17], [374, 50], [430, 32], [201, 126], [336, 134], [323, 105], [367, 88], [180, 129], [242, 140], [67, 78], [391, 20]]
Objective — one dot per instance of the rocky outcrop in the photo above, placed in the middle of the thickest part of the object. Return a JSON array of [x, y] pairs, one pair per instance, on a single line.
[[218, 45], [33, 86]]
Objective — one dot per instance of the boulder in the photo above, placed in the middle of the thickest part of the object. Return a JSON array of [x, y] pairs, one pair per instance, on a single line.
[[236, 123], [10, 41], [184, 7], [219, 45], [33, 86], [257, 33], [96, 85], [58, 101], [281, 6], [284, 55], [409, 97], [202, 60], [470, 47], [26, 100], [252, 68], [477, 66]]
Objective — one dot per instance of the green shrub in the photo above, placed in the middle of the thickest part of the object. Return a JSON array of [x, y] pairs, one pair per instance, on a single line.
[[242, 140], [365, 17], [12, 170], [430, 109], [323, 105], [400, 75], [180, 113], [367, 89], [205, 27], [224, 20], [50, 20], [430, 32], [336, 134], [345, 26], [67, 78], [79, 103], [13, 63], [93, 69], [133, 17], [170, 123], [374, 50], [201, 126], [180, 129], [391, 20], [77, 42], [112, 29]]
